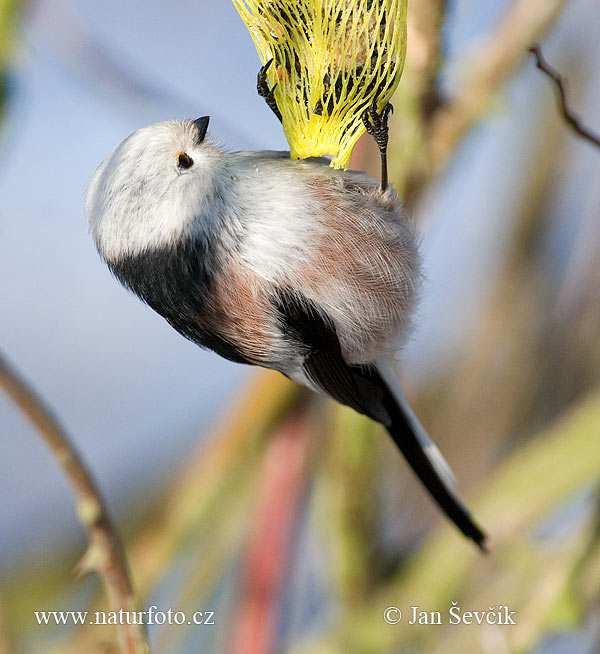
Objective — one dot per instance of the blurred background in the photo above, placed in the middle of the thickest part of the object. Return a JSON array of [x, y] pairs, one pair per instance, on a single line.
[[296, 522]]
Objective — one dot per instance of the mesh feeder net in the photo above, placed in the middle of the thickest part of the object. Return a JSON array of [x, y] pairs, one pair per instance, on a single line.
[[332, 59]]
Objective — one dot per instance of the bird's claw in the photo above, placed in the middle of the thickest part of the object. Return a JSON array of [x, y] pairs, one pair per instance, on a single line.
[[263, 89], [376, 123]]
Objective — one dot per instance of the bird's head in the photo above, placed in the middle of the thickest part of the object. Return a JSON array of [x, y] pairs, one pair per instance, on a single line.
[[148, 193]]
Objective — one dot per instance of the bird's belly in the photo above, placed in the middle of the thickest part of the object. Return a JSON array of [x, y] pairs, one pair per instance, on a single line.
[[349, 250], [368, 289]]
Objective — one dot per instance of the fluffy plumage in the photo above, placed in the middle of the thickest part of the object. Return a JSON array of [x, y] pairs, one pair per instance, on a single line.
[[272, 223], [285, 264]]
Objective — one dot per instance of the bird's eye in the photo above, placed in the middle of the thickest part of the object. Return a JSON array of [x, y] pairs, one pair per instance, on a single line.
[[184, 160]]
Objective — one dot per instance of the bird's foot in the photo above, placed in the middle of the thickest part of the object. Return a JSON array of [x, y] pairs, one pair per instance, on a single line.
[[376, 124], [262, 86]]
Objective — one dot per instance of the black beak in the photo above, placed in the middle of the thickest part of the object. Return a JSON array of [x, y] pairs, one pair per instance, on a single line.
[[202, 126]]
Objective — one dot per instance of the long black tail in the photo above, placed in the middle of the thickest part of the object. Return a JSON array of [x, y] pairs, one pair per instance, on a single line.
[[365, 389], [425, 460]]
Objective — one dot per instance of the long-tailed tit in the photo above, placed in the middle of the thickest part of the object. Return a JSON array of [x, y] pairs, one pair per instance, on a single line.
[[284, 264]]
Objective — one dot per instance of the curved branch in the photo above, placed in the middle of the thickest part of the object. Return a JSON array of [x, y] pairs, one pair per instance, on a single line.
[[105, 554], [559, 86]]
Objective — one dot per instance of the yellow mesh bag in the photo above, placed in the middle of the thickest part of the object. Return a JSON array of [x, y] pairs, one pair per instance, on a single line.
[[331, 60]]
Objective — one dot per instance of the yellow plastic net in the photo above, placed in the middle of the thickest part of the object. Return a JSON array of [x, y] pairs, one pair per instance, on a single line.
[[331, 60]]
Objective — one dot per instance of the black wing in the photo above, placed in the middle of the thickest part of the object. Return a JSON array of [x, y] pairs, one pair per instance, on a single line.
[[363, 389]]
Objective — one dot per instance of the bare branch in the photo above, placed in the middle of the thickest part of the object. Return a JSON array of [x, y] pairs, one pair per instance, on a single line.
[[105, 554], [559, 86], [523, 24]]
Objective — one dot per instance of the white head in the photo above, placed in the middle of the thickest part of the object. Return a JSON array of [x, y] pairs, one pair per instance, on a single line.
[[149, 191]]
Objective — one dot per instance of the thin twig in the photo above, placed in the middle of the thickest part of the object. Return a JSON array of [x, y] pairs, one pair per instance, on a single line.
[[559, 86], [219, 469], [105, 554]]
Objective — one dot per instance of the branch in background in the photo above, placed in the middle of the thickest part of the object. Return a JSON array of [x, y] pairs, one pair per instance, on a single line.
[[105, 554], [220, 469], [213, 470], [285, 471], [444, 567], [416, 99], [349, 506], [568, 116], [523, 24]]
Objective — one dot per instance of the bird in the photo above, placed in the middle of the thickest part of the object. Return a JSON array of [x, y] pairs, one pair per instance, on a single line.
[[273, 262]]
